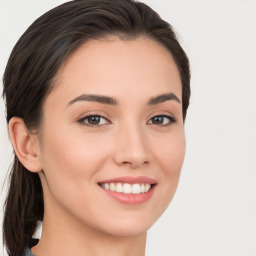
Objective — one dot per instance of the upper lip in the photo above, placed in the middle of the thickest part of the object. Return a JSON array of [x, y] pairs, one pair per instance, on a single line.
[[130, 180]]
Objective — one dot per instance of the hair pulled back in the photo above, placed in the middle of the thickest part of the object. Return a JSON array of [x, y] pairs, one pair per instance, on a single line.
[[29, 78]]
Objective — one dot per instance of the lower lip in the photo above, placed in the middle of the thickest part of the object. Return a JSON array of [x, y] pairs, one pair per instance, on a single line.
[[131, 198]]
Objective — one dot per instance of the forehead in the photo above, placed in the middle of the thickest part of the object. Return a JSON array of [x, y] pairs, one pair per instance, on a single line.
[[119, 68]]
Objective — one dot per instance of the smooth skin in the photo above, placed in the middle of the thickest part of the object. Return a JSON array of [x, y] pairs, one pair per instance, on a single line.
[[73, 152]]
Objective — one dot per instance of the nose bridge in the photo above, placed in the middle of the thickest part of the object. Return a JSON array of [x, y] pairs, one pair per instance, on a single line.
[[131, 144]]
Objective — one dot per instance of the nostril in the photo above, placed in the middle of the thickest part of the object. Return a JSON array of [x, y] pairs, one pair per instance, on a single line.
[[135, 164]]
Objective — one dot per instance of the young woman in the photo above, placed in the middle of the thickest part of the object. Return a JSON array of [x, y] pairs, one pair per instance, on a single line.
[[96, 94]]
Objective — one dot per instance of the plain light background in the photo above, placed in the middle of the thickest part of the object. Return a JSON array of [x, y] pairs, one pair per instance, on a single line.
[[214, 210]]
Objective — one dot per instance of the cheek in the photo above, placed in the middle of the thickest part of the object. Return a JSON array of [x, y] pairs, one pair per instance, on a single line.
[[171, 151], [70, 158], [170, 155]]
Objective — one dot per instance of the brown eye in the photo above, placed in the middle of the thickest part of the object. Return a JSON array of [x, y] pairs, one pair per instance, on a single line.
[[162, 120], [93, 120]]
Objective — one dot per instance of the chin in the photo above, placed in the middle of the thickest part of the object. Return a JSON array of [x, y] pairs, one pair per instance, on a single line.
[[129, 226], [126, 231]]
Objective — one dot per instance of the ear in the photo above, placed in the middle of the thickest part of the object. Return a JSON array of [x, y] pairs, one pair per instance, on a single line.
[[25, 144]]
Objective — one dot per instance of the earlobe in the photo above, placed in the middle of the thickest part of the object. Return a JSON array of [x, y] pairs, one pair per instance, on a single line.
[[24, 144]]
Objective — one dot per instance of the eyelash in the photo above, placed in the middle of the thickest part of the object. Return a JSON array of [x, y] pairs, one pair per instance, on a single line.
[[82, 120]]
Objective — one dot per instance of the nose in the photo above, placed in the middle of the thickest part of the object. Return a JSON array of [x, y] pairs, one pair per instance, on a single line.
[[132, 148]]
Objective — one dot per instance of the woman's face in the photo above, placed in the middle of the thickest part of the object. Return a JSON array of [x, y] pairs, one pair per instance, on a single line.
[[114, 116]]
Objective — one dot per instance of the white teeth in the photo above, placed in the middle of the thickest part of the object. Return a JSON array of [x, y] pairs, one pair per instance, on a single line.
[[127, 188], [112, 187], [147, 187], [119, 187], [136, 188], [142, 188]]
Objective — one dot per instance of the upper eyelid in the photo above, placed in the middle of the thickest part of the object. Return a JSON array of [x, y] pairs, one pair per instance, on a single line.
[[102, 115], [162, 113], [94, 113]]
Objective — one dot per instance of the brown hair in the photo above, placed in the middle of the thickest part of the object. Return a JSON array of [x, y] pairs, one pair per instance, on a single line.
[[29, 78]]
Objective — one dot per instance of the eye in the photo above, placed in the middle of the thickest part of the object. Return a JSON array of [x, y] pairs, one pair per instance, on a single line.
[[162, 120], [93, 120]]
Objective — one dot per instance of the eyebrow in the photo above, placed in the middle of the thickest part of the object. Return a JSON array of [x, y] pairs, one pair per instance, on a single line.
[[163, 98], [111, 101]]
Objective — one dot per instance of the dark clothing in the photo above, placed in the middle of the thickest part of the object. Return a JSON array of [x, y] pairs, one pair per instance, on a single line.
[[28, 251]]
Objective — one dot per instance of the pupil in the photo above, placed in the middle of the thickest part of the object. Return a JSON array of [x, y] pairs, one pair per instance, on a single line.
[[94, 120], [158, 120]]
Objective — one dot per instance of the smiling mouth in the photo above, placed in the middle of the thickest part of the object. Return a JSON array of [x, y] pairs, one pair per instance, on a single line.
[[126, 188]]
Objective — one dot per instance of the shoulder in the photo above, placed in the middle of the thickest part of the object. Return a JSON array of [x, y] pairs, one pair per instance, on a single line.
[[28, 251]]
